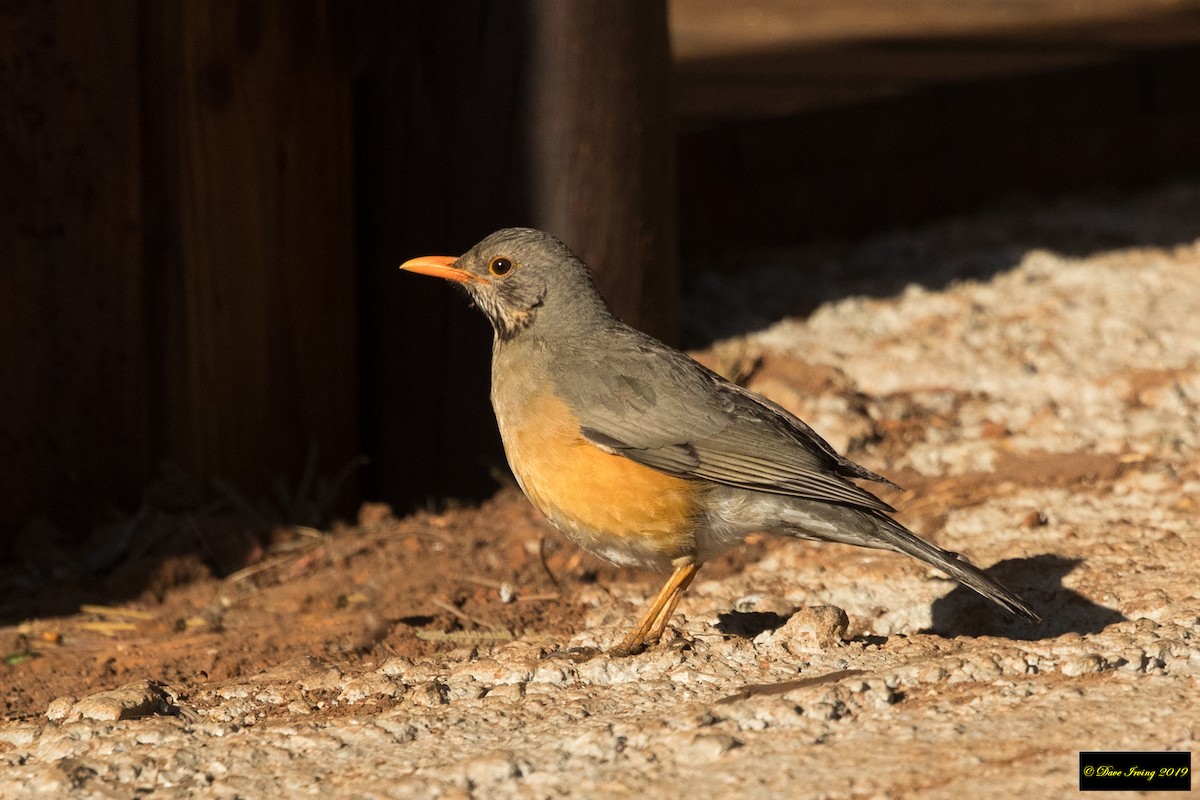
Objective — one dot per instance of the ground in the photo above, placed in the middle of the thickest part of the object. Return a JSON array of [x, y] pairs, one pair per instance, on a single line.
[[1030, 375]]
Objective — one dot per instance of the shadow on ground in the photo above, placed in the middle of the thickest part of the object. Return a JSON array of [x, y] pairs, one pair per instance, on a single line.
[[776, 283], [749, 624], [1039, 580]]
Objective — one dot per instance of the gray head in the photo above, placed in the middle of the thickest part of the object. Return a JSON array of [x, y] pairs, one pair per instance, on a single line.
[[518, 276]]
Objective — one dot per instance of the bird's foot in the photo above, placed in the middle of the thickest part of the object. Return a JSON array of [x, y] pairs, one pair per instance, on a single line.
[[634, 644], [629, 647]]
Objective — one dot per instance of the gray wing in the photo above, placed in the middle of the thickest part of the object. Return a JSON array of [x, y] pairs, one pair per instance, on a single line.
[[660, 408]]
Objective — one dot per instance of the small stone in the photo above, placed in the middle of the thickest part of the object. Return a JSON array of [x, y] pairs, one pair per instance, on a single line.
[[373, 684], [930, 673], [828, 711], [492, 769], [60, 707], [1034, 519], [817, 628], [433, 693], [506, 691], [703, 748], [1082, 666], [19, 735], [133, 700]]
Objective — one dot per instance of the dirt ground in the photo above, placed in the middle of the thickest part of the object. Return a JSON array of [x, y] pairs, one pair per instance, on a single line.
[[1030, 375]]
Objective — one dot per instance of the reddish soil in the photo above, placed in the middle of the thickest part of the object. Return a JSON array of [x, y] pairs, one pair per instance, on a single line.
[[354, 595]]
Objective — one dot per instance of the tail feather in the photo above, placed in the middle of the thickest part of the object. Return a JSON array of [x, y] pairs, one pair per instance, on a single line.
[[862, 527], [896, 537]]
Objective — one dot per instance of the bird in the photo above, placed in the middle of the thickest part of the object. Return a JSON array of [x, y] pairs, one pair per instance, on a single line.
[[643, 456]]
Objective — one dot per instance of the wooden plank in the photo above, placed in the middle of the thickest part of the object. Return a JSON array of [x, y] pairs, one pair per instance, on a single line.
[[249, 182], [73, 433], [601, 138], [762, 58]]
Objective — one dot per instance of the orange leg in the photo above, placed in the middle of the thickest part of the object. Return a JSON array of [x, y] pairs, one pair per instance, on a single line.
[[664, 616], [650, 627]]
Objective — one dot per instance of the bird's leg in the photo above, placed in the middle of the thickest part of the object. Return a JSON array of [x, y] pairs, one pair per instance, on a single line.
[[664, 601], [668, 611]]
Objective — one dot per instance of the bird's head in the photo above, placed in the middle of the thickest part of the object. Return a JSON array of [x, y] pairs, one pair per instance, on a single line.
[[517, 276]]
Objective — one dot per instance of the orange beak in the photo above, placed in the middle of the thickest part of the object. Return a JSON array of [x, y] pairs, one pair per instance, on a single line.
[[440, 267]]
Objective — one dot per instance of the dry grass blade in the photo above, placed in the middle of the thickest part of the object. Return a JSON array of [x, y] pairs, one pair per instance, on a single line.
[[114, 611], [254, 569], [545, 563], [108, 628], [466, 617], [486, 583]]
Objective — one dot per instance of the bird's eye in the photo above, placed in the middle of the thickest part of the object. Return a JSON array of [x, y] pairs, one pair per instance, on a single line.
[[500, 266]]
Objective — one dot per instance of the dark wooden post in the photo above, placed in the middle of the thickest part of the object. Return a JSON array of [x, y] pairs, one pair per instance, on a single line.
[[250, 246], [601, 140], [73, 406]]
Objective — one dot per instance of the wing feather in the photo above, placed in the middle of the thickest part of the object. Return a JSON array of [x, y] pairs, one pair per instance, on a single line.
[[693, 423]]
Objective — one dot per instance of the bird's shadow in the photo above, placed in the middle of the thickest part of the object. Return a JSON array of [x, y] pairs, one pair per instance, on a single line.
[[963, 612], [748, 624], [1038, 579]]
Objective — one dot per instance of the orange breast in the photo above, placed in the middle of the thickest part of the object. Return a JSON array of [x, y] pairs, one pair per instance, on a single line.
[[612, 506]]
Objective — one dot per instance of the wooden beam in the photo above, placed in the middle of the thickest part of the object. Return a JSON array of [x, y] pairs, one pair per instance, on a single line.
[[250, 208], [73, 408], [601, 140]]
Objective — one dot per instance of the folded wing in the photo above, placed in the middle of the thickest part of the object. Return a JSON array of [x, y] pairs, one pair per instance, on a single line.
[[690, 422]]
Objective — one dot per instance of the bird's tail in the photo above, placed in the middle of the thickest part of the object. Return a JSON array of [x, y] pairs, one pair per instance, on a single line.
[[868, 527], [895, 536]]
